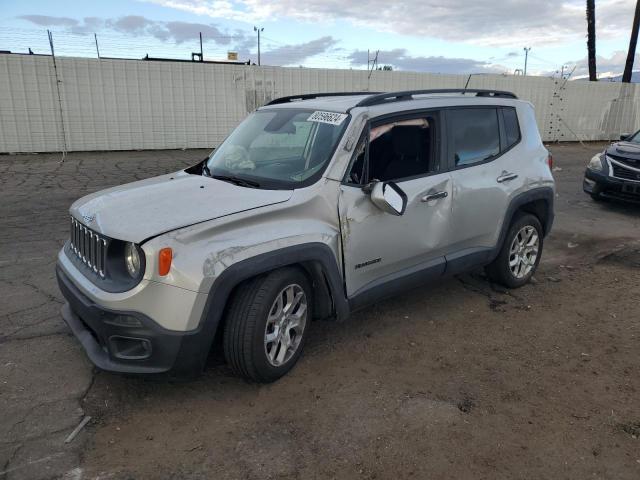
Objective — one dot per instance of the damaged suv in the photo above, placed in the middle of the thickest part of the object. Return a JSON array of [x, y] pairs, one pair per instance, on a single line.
[[315, 206]]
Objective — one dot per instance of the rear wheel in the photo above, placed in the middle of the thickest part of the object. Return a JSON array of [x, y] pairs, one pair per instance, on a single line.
[[267, 323], [520, 253]]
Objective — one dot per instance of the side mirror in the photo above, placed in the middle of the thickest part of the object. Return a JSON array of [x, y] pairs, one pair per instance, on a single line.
[[625, 136], [389, 197]]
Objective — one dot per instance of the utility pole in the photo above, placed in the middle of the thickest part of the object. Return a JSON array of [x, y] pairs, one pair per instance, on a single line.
[[97, 49], [256, 29], [526, 59], [201, 57], [591, 39], [628, 68]]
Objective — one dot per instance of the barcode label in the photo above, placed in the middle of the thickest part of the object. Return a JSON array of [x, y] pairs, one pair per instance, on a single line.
[[332, 118]]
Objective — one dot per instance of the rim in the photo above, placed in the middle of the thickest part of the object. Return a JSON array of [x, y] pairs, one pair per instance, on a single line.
[[285, 325], [524, 252]]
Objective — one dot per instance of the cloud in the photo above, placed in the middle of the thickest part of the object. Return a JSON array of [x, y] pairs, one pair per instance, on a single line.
[[179, 32], [401, 60], [606, 66], [297, 54], [137, 25], [481, 22], [47, 21]]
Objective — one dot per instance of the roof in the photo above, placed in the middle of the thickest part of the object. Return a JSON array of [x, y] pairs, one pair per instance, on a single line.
[[391, 101]]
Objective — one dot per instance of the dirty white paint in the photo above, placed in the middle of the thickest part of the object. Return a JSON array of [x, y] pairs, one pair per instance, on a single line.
[[135, 104]]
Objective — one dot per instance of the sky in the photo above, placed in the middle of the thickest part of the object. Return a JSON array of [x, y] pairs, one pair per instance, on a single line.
[[446, 36]]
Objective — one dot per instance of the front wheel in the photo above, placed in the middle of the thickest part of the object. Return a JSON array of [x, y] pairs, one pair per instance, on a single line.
[[520, 253], [267, 323]]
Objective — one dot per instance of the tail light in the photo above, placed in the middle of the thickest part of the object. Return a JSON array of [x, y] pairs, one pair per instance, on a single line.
[[550, 161]]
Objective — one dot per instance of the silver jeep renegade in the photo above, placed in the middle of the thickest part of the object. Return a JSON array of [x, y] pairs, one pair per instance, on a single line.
[[315, 206]]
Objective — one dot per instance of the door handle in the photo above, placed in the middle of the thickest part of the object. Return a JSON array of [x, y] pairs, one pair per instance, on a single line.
[[505, 177], [435, 196]]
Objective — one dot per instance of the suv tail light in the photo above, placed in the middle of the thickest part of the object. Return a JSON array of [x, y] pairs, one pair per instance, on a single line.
[[550, 161]]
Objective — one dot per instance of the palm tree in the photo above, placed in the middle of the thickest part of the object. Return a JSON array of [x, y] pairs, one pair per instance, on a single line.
[[591, 38], [628, 68]]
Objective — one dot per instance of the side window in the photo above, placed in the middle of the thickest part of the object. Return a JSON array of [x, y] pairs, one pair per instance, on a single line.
[[475, 134], [511, 127], [397, 150]]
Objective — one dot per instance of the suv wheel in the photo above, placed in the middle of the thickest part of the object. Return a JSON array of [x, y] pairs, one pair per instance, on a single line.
[[520, 253], [267, 323]]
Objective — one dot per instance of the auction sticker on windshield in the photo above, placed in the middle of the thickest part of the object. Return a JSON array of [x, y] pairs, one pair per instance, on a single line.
[[332, 118]]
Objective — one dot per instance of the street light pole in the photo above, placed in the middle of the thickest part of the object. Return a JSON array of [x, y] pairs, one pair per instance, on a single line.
[[526, 58], [256, 29]]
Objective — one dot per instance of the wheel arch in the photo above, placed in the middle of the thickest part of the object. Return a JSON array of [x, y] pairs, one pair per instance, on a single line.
[[538, 201], [318, 262]]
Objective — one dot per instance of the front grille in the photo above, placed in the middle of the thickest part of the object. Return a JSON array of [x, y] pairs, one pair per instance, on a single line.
[[630, 162], [624, 173], [89, 247]]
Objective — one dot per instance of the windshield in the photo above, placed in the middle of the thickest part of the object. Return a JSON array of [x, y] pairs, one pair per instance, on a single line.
[[635, 138], [280, 148]]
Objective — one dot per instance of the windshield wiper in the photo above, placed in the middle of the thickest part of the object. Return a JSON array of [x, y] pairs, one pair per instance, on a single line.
[[243, 182]]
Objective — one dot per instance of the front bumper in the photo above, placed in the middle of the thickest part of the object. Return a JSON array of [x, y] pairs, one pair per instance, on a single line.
[[129, 342], [601, 184]]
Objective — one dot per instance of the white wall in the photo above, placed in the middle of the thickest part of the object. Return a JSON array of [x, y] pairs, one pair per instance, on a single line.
[[130, 104]]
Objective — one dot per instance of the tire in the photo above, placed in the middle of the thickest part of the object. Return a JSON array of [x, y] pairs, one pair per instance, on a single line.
[[514, 276], [596, 197], [257, 310]]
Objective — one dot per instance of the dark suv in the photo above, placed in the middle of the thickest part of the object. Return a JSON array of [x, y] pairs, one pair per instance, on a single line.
[[615, 173]]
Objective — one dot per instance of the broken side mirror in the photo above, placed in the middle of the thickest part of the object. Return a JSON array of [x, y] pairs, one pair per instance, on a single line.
[[625, 136], [389, 197]]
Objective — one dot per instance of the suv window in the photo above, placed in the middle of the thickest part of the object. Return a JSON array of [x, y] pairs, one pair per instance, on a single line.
[[475, 134], [396, 149], [511, 127]]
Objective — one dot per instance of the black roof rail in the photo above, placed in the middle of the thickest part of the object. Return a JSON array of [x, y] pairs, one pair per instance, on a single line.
[[308, 96], [408, 95]]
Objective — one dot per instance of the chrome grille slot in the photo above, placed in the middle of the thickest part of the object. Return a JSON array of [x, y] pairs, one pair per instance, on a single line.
[[625, 173], [89, 247]]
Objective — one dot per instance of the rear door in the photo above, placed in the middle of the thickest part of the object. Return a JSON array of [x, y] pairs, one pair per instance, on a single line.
[[485, 171]]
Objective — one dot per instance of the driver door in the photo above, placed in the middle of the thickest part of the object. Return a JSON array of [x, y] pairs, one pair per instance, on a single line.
[[383, 252]]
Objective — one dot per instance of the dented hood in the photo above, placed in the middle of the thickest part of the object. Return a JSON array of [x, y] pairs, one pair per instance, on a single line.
[[141, 210]]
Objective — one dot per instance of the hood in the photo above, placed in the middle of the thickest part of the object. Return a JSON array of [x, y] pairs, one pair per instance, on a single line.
[[144, 209], [625, 149]]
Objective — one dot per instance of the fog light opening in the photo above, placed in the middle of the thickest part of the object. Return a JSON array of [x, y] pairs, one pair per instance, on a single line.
[[127, 348]]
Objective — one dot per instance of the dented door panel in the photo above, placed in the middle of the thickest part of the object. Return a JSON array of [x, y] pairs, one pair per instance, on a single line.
[[377, 244]]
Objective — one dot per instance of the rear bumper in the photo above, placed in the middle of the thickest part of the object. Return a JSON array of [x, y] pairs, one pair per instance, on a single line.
[[601, 184], [128, 342]]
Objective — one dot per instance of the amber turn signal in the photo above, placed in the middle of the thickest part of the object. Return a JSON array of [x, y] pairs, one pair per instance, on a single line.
[[164, 261]]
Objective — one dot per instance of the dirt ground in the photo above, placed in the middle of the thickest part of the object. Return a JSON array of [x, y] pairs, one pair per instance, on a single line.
[[453, 381]]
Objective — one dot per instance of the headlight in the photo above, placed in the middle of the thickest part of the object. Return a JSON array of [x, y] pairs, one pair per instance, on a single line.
[[595, 163], [132, 259]]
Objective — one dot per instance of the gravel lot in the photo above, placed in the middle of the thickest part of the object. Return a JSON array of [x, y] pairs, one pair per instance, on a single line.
[[458, 380]]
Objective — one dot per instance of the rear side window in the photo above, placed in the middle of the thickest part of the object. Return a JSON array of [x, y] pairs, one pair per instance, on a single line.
[[475, 135], [511, 127]]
